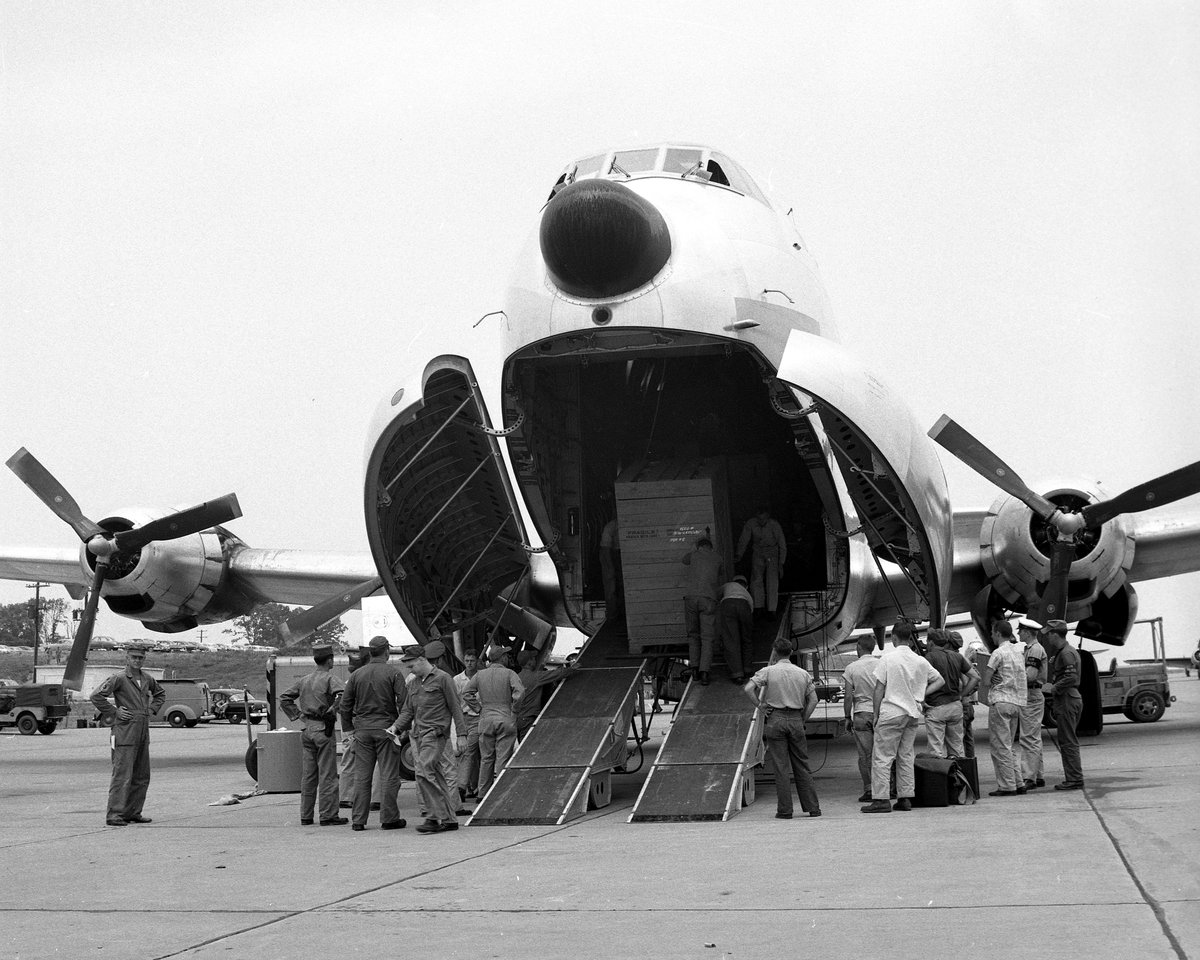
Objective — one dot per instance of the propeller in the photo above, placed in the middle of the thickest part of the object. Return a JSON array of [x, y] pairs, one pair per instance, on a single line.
[[104, 544], [305, 622], [1067, 525]]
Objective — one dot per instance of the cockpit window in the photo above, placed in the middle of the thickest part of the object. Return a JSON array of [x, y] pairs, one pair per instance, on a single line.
[[680, 160], [635, 161], [589, 167], [735, 176]]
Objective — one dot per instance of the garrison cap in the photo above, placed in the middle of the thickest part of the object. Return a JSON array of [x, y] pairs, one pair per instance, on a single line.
[[434, 649], [379, 644], [1030, 624], [137, 647], [1056, 626], [415, 652], [322, 649]]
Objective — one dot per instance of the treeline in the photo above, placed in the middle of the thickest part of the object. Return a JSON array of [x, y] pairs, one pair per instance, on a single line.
[[221, 668]]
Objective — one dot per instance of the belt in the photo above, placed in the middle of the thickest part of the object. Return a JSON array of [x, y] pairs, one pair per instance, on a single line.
[[785, 709], [313, 716]]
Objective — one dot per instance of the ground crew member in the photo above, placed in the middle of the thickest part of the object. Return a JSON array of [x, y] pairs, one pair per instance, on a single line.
[[1063, 688], [768, 554], [789, 697], [1006, 697], [373, 699], [499, 691], [468, 760], [431, 706], [704, 578], [858, 700], [1030, 736], [610, 570], [903, 679], [313, 699], [969, 701], [126, 701], [735, 621], [943, 708], [436, 654]]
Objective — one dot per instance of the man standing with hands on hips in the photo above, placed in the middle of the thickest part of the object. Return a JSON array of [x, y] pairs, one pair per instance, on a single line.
[[1068, 704], [126, 700]]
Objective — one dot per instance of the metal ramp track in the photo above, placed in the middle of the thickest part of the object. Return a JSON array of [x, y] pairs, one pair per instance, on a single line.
[[705, 767], [567, 758]]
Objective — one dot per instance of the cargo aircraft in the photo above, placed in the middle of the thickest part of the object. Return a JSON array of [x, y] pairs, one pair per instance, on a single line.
[[662, 310]]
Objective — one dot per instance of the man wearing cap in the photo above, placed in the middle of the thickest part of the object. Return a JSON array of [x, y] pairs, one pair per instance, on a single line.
[[313, 700], [468, 760], [943, 708], [437, 654], [858, 699], [1063, 688], [1006, 697], [969, 700], [768, 553], [347, 784], [126, 701], [431, 706], [1030, 737], [736, 621], [499, 691], [373, 699]]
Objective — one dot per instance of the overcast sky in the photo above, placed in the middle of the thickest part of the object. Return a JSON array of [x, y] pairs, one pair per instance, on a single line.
[[228, 230]]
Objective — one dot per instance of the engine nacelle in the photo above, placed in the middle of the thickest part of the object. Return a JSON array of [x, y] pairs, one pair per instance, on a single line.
[[1015, 548], [169, 585]]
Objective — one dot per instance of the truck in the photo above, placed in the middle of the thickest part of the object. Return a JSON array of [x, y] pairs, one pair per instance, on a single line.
[[34, 707], [187, 703]]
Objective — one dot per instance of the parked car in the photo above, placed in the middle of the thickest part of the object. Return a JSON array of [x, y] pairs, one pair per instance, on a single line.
[[230, 704], [187, 703]]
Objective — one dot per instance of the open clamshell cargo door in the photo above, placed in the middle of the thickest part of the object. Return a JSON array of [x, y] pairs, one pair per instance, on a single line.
[[442, 519]]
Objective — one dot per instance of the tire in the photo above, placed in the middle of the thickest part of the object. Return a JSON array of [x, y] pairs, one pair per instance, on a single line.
[[1146, 707], [233, 717], [255, 721], [176, 718], [252, 761], [191, 723], [47, 727], [27, 724], [408, 769]]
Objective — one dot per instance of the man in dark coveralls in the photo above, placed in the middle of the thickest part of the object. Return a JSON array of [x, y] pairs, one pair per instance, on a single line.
[[372, 701], [313, 700], [126, 700]]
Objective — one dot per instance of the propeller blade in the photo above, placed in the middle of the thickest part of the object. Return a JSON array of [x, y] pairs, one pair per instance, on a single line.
[[306, 622], [192, 520], [1153, 493], [980, 459], [77, 658], [52, 493], [1054, 597]]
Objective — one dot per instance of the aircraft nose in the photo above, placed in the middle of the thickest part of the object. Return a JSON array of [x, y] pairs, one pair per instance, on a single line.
[[600, 239]]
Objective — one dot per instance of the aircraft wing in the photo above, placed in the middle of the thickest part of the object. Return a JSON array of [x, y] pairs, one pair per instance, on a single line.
[[260, 575]]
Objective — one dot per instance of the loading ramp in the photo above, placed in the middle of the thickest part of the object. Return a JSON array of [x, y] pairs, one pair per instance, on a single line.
[[566, 760]]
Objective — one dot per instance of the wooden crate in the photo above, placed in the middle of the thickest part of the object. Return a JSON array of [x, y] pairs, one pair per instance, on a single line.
[[663, 508]]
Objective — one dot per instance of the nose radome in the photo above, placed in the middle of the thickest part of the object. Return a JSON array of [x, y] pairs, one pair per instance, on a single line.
[[600, 239]]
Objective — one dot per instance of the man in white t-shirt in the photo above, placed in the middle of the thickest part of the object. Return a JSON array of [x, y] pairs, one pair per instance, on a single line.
[[903, 678]]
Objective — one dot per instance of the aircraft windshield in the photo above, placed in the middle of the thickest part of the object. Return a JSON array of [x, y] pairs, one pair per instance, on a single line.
[[699, 162]]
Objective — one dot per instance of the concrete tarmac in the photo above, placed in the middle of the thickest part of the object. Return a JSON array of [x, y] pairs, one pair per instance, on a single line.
[[1110, 872]]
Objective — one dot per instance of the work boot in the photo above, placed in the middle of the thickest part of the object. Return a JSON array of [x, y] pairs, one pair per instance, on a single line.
[[865, 798], [877, 806], [704, 679], [116, 822], [137, 818], [1030, 785], [395, 825], [1077, 785], [904, 804], [432, 826], [333, 821]]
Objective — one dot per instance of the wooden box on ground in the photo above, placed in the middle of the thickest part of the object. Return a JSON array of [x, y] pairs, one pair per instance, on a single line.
[[663, 508]]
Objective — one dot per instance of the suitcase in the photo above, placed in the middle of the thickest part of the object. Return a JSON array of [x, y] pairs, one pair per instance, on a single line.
[[969, 768], [936, 781]]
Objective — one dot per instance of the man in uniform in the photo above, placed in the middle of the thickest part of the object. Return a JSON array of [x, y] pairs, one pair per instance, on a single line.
[[610, 570], [372, 701], [903, 679], [734, 617], [700, 605], [944, 707], [313, 700], [968, 702], [468, 760], [788, 697], [499, 691], [1006, 697], [1063, 688], [127, 700], [858, 700], [1030, 735], [431, 706], [768, 554]]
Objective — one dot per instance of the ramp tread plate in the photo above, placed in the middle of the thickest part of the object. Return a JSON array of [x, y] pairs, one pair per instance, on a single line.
[[716, 738], [562, 742], [691, 792], [593, 693], [717, 698], [529, 796]]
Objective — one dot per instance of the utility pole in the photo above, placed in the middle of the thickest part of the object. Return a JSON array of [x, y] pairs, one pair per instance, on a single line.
[[37, 618]]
